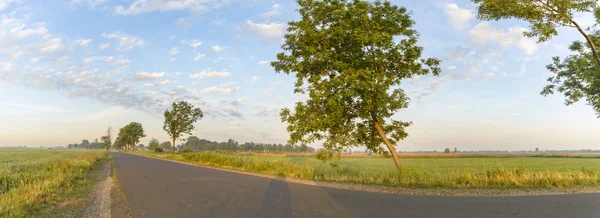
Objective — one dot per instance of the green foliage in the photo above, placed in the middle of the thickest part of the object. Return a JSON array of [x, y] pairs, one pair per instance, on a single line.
[[158, 150], [180, 119], [350, 56], [543, 15], [165, 145], [447, 151], [130, 134], [107, 139], [153, 144], [576, 76]]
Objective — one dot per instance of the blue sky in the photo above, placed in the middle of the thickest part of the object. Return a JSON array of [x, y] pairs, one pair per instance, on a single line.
[[70, 69]]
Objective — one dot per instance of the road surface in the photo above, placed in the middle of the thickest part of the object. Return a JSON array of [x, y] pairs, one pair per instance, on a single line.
[[158, 188]]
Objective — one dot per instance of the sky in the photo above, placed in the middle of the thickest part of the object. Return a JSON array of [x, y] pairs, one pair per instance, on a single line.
[[70, 69]]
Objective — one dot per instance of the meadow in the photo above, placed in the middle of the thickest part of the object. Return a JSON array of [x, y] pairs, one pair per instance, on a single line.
[[41, 182], [499, 171]]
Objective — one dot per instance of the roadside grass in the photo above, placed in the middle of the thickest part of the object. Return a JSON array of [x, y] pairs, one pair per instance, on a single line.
[[44, 183], [420, 171]]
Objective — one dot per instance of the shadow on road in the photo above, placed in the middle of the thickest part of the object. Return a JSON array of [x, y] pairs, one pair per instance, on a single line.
[[277, 200]]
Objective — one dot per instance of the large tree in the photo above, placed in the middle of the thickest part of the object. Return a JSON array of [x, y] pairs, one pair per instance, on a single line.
[[107, 139], [180, 120], [131, 133], [545, 16], [350, 56], [576, 76]]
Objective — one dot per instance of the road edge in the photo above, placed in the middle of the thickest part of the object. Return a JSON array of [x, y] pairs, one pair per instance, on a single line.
[[403, 190], [99, 198]]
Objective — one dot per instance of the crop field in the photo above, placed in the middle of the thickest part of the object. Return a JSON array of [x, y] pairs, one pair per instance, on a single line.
[[34, 182], [419, 171]]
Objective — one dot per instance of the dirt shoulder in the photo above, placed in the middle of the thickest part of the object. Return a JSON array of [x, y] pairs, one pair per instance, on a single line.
[[98, 200], [411, 191]]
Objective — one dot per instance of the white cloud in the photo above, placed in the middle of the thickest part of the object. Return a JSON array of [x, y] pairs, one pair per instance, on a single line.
[[126, 42], [145, 6], [108, 59], [275, 10], [103, 46], [222, 89], [181, 92], [483, 33], [183, 23], [459, 17], [217, 48], [163, 83], [209, 74], [174, 51], [473, 70], [263, 62], [38, 107], [486, 76], [270, 89], [523, 69], [218, 59], [504, 74], [173, 59], [90, 3], [451, 67], [194, 43], [5, 3], [148, 76], [118, 70], [494, 68], [272, 31], [254, 80], [199, 57], [83, 42], [52, 45]]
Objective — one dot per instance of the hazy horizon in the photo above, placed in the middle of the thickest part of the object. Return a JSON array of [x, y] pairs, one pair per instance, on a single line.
[[70, 69]]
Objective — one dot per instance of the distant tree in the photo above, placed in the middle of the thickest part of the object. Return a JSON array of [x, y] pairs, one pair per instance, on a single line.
[[447, 151], [165, 145], [455, 150], [131, 134], [180, 120], [537, 149], [353, 56], [153, 144], [141, 146], [107, 139], [119, 144], [85, 144]]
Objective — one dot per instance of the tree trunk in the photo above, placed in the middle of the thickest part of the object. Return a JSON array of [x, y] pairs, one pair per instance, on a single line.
[[389, 145], [589, 41], [174, 145]]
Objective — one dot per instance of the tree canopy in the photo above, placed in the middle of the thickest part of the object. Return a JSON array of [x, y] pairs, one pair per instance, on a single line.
[[350, 56], [107, 139], [130, 134], [180, 120], [543, 15]]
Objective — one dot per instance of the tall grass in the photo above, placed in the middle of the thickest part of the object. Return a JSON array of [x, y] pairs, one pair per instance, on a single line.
[[482, 172], [32, 178]]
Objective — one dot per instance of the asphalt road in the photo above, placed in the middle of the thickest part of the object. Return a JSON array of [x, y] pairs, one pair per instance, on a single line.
[[157, 188]]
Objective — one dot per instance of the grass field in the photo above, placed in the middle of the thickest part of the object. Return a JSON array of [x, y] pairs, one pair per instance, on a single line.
[[40, 182], [420, 170]]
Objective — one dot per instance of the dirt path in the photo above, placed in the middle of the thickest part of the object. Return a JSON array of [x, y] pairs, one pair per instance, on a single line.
[[98, 201]]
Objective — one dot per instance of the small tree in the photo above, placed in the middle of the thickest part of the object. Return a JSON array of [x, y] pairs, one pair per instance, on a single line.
[[347, 54], [447, 151], [107, 139], [165, 145], [131, 134], [537, 149], [180, 120], [455, 150], [153, 144]]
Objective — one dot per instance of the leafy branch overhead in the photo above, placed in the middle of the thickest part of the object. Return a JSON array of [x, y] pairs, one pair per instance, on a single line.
[[350, 56]]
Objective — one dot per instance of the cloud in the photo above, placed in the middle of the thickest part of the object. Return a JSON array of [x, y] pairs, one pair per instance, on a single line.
[[232, 112], [483, 33], [194, 43], [5, 3], [148, 76], [275, 10], [272, 31], [103, 46], [268, 90], [217, 48], [38, 107], [523, 69], [199, 57], [459, 17], [218, 59], [146, 6], [473, 70], [174, 51], [486, 76], [254, 80], [209, 74], [236, 102], [126, 42], [183, 23], [163, 83], [90, 3], [263, 62], [52, 45], [108, 59], [222, 89], [83, 42], [263, 110], [451, 68], [181, 93]]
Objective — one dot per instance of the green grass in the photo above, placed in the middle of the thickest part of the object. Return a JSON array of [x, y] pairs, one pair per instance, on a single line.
[[42, 182], [420, 171]]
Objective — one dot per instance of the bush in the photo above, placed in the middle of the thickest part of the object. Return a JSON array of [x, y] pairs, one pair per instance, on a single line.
[[187, 150], [158, 150]]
